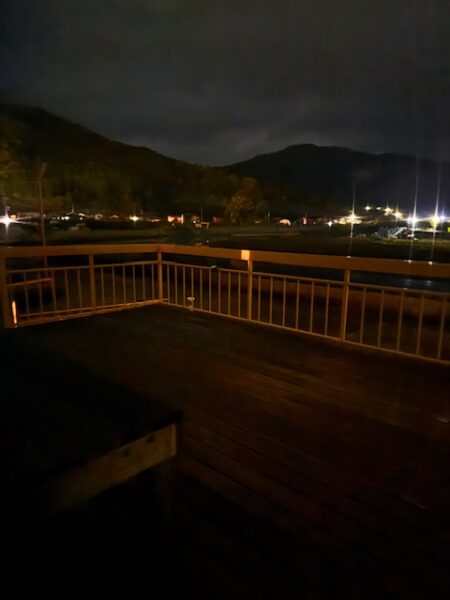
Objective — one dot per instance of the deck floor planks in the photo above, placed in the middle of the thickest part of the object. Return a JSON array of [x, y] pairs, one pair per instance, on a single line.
[[345, 447]]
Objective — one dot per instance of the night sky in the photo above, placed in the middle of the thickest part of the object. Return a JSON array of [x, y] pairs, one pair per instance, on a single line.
[[219, 81]]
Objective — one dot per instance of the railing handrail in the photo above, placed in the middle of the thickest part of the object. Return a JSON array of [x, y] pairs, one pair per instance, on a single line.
[[392, 266], [75, 250]]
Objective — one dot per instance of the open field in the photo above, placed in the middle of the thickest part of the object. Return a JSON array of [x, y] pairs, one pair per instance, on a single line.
[[308, 240], [316, 241]]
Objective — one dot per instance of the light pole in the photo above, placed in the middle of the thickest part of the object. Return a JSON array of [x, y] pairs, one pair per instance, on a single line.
[[41, 173]]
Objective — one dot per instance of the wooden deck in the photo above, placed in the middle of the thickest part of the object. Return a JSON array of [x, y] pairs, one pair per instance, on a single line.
[[305, 469]]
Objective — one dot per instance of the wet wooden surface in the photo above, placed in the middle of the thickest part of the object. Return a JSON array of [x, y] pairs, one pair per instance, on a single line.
[[304, 467]]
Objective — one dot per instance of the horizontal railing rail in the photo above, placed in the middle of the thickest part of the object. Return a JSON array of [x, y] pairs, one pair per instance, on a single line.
[[349, 299]]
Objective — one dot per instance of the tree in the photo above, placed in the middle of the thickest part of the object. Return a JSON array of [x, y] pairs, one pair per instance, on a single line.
[[246, 203]]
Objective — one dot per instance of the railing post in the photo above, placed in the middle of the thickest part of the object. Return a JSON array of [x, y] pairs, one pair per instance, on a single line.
[[344, 307], [4, 299], [92, 282], [160, 276], [249, 286]]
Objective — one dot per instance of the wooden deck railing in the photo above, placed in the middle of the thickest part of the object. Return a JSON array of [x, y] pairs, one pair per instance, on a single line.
[[392, 305]]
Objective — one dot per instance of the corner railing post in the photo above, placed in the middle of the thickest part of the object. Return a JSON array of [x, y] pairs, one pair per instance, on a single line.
[[4, 298], [92, 282], [249, 286], [160, 275], [344, 307]]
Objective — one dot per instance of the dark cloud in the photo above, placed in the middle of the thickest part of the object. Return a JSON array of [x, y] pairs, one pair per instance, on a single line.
[[216, 82]]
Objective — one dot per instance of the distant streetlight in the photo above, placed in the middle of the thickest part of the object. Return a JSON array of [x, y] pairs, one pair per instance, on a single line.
[[5, 220]]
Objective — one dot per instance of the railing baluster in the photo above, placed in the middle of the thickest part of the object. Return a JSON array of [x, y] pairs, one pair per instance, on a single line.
[[168, 282], [184, 285], [327, 303], [159, 259], [311, 308], [380, 319], [92, 288], [67, 289], [53, 288], [41, 301], [102, 283], [249, 287], [229, 292], [259, 297], [80, 294], [239, 295], [344, 305], [441, 329], [210, 291], [419, 324], [363, 315], [297, 303], [152, 275], [175, 282], [124, 286], [400, 320], [5, 311], [283, 315], [219, 304], [192, 287], [27, 295], [200, 283], [271, 299], [134, 283], [144, 291], [113, 281]]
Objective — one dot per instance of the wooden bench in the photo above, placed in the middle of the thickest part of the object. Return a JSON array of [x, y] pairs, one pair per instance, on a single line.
[[69, 435]]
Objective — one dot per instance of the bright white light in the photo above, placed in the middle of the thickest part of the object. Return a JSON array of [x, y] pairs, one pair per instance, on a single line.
[[443, 218], [5, 220], [434, 220], [367, 208], [388, 211], [134, 218], [330, 223], [398, 214], [352, 218], [412, 220]]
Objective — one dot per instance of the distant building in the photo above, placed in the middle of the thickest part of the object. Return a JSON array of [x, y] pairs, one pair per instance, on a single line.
[[175, 219]]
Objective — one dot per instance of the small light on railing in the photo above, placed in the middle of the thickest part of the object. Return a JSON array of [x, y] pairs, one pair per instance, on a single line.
[[14, 312]]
